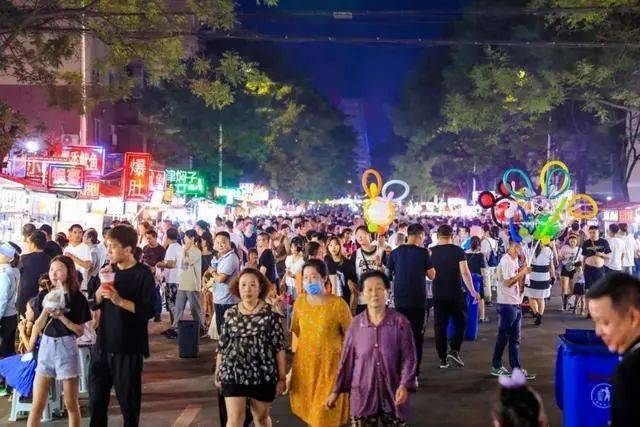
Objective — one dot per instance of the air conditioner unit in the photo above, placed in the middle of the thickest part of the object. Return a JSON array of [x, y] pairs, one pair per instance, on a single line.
[[70, 139]]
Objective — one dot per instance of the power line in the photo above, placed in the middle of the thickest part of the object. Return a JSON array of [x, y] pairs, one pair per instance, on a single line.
[[508, 11], [210, 35]]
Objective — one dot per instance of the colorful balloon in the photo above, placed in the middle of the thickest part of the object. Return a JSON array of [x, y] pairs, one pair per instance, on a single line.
[[548, 172], [389, 196], [379, 212]]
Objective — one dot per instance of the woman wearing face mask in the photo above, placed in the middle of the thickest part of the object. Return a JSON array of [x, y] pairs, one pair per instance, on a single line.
[[320, 322]]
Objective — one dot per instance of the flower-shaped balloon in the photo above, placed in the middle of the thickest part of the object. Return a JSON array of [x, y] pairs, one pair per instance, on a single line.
[[379, 212]]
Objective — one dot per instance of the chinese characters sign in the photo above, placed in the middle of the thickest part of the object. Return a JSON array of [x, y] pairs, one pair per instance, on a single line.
[[65, 177], [185, 183], [91, 190], [157, 180], [135, 176], [91, 157], [36, 166]]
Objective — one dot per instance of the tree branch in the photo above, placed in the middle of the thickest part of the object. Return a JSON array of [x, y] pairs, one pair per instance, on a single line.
[[617, 106]]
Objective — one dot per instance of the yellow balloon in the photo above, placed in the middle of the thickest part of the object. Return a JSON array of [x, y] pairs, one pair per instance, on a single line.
[[378, 183], [579, 201], [543, 175]]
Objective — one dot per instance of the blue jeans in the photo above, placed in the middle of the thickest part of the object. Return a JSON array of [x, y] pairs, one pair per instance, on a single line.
[[508, 332]]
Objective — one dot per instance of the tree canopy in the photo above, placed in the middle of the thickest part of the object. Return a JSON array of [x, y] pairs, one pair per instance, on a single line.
[[38, 38], [496, 106]]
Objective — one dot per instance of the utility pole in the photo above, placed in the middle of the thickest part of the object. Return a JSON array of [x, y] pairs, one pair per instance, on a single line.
[[549, 140], [220, 155], [83, 90]]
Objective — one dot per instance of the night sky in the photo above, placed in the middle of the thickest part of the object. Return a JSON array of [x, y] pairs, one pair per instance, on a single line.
[[375, 74]]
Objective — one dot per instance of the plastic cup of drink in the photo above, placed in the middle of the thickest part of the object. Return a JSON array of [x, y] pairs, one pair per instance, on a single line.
[[107, 279]]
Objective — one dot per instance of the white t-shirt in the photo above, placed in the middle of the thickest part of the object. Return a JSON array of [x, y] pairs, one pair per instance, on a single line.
[[365, 262], [508, 269], [617, 252], [630, 247], [294, 267], [82, 252], [238, 240], [488, 245], [174, 253]]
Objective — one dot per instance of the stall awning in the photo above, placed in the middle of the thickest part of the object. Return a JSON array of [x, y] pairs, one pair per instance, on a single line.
[[21, 183]]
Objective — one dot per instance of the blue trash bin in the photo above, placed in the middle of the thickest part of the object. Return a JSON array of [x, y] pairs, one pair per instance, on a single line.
[[584, 373], [471, 331]]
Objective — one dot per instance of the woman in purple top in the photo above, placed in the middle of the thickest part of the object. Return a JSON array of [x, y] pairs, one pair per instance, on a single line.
[[378, 365]]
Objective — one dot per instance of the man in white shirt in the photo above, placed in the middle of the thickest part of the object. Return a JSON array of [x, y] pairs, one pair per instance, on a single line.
[[617, 246], [509, 275], [630, 249], [80, 253], [393, 240], [172, 262]]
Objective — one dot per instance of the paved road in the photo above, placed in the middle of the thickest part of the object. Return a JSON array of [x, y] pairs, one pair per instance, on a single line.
[[180, 392]]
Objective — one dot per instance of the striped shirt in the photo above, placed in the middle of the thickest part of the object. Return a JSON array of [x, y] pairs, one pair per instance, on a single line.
[[540, 277]]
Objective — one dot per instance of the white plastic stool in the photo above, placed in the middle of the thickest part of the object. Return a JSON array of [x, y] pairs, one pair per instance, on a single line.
[[54, 404], [85, 360]]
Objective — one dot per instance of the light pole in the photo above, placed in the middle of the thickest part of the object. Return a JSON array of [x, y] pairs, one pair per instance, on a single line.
[[220, 154]]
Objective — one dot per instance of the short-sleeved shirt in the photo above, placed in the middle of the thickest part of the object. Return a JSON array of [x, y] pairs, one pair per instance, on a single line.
[[83, 252], [249, 345], [77, 312], [408, 265], [152, 256], [447, 285], [508, 269], [268, 261], [344, 271], [31, 267], [617, 246], [174, 253], [589, 247], [476, 262], [229, 265]]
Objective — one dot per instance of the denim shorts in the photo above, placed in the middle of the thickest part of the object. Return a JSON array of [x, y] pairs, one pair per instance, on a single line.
[[58, 358]]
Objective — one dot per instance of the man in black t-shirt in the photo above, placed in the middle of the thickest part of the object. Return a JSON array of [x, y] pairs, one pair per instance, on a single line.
[[450, 263], [408, 265], [51, 248], [32, 265], [152, 254], [125, 309], [596, 252]]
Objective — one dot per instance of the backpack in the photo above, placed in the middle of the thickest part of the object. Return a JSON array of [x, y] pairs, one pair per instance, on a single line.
[[493, 260]]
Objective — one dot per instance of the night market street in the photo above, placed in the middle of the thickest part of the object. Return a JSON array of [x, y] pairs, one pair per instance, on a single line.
[[180, 392]]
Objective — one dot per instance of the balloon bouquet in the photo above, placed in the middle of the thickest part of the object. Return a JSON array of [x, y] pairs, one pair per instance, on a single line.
[[537, 218], [379, 212]]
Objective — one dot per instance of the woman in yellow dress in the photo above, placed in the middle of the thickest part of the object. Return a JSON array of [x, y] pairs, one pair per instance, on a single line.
[[320, 322]]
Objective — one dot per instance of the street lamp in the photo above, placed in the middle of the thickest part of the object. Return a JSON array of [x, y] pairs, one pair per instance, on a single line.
[[348, 181], [32, 145]]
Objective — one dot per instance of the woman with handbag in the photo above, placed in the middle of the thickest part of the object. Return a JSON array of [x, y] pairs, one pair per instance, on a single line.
[[189, 279]]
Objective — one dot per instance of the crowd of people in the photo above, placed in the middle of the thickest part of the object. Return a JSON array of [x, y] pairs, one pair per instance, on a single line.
[[315, 307]]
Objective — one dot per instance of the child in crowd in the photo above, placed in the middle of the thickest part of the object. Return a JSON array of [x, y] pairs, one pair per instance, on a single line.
[[520, 405], [253, 259]]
